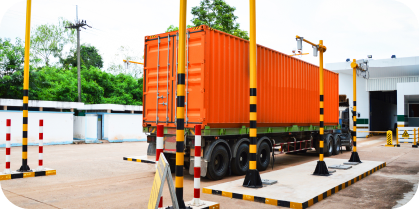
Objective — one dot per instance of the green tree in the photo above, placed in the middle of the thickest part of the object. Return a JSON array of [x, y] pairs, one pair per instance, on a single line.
[[11, 56], [216, 14], [49, 41], [89, 56], [219, 15]]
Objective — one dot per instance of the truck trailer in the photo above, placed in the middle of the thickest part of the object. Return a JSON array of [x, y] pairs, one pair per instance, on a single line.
[[217, 98]]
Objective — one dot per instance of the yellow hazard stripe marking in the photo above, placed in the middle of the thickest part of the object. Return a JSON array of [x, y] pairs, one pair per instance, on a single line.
[[227, 194], [271, 201], [207, 191]]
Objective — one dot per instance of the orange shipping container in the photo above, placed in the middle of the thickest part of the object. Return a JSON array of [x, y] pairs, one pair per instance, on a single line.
[[217, 80]]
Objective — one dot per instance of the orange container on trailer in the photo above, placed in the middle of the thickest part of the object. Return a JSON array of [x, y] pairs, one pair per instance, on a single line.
[[217, 80]]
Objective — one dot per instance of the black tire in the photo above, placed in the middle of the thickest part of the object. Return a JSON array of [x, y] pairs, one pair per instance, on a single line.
[[172, 162], [336, 145], [263, 156], [218, 165], [240, 162], [349, 148], [328, 145]]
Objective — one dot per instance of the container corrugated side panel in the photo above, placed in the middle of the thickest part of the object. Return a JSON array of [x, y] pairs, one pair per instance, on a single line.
[[388, 84], [287, 88], [226, 80]]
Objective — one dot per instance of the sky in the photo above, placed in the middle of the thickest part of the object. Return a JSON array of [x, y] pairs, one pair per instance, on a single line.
[[349, 29]]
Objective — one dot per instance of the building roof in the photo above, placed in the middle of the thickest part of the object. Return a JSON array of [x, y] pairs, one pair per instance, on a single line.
[[382, 68]]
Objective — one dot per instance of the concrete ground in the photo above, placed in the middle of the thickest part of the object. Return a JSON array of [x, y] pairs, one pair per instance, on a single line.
[[95, 176]]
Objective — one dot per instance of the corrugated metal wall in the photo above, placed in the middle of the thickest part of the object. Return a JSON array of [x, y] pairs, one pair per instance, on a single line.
[[388, 84]]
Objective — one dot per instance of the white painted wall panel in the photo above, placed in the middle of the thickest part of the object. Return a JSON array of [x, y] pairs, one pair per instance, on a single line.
[[91, 127], [388, 84], [404, 89], [58, 127], [79, 127], [124, 127]]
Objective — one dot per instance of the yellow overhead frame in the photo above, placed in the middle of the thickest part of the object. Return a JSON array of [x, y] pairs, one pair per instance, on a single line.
[[140, 63]]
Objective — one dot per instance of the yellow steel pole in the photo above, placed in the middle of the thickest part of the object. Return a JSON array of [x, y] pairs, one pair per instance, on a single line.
[[25, 166], [180, 106], [414, 139], [252, 178], [354, 155], [321, 168]]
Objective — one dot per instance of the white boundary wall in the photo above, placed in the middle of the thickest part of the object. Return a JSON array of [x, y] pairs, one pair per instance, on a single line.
[[79, 128], [91, 127], [123, 127], [58, 127]]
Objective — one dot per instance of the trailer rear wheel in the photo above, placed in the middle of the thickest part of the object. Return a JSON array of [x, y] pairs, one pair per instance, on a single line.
[[336, 145], [240, 162], [328, 145], [263, 156], [349, 148], [218, 166]]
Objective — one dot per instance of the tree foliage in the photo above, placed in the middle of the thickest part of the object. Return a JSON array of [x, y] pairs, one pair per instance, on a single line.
[[89, 56], [48, 41], [11, 56], [55, 84], [216, 14]]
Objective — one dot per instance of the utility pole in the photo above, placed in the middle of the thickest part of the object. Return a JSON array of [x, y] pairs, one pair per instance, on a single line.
[[77, 26]]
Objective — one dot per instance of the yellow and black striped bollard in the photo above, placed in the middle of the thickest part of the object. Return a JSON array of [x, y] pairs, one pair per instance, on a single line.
[[354, 155], [180, 106], [252, 178], [321, 168], [25, 167]]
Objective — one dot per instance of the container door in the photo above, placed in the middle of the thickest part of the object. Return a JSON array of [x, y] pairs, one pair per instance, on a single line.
[[158, 80], [194, 78]]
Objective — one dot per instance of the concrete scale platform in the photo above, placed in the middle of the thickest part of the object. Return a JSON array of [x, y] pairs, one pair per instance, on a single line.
[[142, 159], [17, 175], [297, 187]]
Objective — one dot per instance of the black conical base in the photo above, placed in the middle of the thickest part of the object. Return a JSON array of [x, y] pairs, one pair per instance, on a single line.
[[252, 179], [321, 169], [24, 168], [355, 158], [181, 206], [186, 207]]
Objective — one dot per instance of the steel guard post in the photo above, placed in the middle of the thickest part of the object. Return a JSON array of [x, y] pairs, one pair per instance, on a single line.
[[252, 179], [25, 167], [180, 107], [321, 168], [354, 155]]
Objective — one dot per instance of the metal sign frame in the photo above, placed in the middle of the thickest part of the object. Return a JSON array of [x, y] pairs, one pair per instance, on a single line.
[[162, 173]]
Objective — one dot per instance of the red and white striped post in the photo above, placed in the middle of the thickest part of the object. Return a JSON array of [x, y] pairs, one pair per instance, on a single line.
[[161, 202], [159, 149], [197, 166], [41, 145], [8, 124]]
